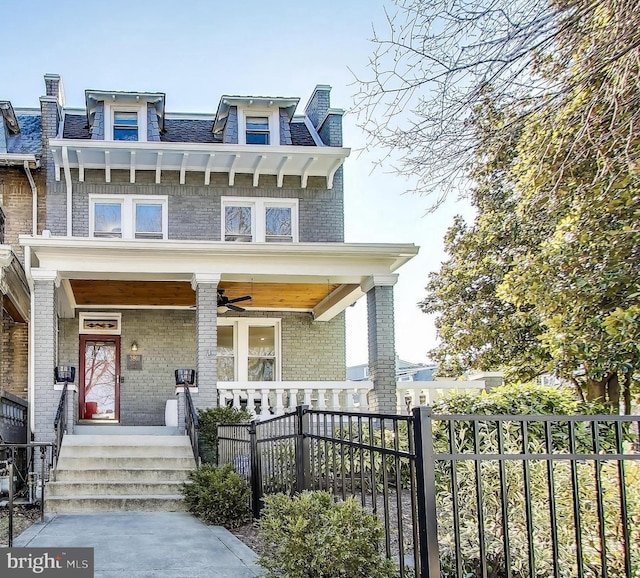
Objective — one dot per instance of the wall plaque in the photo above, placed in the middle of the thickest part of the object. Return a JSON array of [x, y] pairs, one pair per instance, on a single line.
[[134, 361]]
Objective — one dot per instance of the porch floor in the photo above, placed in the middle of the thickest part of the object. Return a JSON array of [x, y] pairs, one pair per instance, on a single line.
[[124, 430]]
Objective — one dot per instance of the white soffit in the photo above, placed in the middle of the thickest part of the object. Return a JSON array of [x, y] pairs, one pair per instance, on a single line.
[[256, 160]]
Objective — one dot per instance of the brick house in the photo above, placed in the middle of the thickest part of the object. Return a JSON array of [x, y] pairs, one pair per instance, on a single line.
[[213, 242]]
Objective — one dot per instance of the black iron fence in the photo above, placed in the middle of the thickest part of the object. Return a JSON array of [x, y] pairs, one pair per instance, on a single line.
[[28, 483], [465, 496], [60, 424]]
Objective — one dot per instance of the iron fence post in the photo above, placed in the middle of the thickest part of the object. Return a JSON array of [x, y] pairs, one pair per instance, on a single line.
[[426, 490], [11, 460], [303, 462], [256, 471]]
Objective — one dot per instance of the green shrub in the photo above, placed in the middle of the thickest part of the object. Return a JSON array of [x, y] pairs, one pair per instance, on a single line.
[[208, 422], [310, 536], [218, 496]]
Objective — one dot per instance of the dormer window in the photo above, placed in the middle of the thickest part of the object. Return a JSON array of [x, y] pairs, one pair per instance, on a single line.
[[257, 130], [125, 125]]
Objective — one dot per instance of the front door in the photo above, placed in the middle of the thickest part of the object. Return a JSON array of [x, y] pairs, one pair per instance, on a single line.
[[99, 394]]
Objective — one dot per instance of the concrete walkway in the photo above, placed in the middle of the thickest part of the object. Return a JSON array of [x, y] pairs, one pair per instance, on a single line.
[[147, 544]]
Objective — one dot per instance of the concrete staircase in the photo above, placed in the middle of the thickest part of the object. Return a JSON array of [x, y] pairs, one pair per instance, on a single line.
[[115, 468]]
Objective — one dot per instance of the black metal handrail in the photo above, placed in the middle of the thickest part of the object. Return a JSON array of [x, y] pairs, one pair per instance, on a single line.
[[60, 425], [191, 423]]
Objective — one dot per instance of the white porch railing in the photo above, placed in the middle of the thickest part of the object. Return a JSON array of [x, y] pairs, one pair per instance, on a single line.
[[267, 398], [410, 394]]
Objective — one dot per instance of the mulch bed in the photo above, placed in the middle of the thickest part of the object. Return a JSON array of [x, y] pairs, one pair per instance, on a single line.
[[23, 517]]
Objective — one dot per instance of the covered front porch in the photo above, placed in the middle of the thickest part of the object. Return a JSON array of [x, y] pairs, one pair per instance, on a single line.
[[140, 310]]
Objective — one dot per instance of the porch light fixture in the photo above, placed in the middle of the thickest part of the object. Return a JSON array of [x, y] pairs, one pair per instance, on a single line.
[[64, 374], [185, 376], [134, 346]]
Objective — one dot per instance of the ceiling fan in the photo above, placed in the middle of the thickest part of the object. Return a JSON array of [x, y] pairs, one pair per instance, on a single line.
[[224, 301]]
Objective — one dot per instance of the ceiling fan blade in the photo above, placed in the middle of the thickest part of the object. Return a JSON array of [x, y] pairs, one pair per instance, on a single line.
[[234, 307], [243, 298]]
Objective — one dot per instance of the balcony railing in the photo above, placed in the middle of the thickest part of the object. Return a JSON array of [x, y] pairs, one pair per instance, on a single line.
[[268, 398]]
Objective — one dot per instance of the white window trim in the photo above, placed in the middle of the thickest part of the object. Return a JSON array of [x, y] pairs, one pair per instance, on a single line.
[[258, 214], [128, 215], [109, 110], [241, 343], [274, 124]]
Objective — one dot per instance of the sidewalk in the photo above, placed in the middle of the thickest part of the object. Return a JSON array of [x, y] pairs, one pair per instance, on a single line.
[[147, 545]]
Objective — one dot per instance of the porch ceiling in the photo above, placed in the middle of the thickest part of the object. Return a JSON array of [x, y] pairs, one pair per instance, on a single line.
[[297, 296]]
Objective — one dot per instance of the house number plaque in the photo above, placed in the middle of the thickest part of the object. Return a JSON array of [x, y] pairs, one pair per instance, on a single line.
[[134, 361]]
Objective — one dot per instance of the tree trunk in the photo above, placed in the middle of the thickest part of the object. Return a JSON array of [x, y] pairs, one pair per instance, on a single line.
[[626, 393], [596, 390], [613, 393]]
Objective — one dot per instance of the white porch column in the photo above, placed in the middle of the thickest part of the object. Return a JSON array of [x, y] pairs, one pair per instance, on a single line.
[[44, 325], [382, 349], [206, 288]]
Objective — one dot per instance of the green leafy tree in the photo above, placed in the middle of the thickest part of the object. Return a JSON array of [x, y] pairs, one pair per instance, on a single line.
[[546, 278]]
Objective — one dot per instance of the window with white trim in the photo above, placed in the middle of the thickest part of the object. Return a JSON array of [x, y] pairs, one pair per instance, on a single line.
[[128, 216], [259, 126], [125, 122], [262, 220], [257, 130], [248, 349]]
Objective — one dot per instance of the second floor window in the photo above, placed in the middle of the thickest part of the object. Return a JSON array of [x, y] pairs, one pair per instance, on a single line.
[[125, 125], [128, 217], [260, 219]]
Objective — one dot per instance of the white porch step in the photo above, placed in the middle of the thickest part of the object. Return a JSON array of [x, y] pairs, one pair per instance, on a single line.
[[115, 503], [132, 474], [121, 488], [120, 430], [102, 472]]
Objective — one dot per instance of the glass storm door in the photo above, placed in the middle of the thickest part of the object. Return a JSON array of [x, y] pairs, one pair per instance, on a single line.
[[99, 377]]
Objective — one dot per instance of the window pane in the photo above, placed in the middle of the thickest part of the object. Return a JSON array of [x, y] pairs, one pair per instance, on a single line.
[[226, 370], [237, 224], [108, 220], [148, 218], [262, 341], [125, 125], [260, 123], [259, 138], [225, 340], [125, 118], [261, 369], [278, 223], [125, 133]]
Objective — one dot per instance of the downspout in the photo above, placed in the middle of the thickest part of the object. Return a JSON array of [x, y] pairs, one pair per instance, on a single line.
[[67, 178], [30, 340], [34, 196], [27, 267]]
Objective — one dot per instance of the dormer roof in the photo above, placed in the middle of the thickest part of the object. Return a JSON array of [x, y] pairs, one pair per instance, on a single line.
[[288, 104], [124, 98]]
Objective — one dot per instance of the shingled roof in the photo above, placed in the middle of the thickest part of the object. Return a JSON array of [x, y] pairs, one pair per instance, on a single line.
[[180, 130], [300, 135], [29, 139], [75, 126], [187, 130]]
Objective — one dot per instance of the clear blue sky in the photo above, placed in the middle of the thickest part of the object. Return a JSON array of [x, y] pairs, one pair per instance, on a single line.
[[197, 50]]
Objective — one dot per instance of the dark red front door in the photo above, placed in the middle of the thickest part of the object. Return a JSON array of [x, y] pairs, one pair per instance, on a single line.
[[99, 394]]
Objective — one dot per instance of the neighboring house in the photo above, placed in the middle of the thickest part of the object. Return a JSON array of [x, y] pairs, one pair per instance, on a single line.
[[20, 201], [212, 242], [405, 371]]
